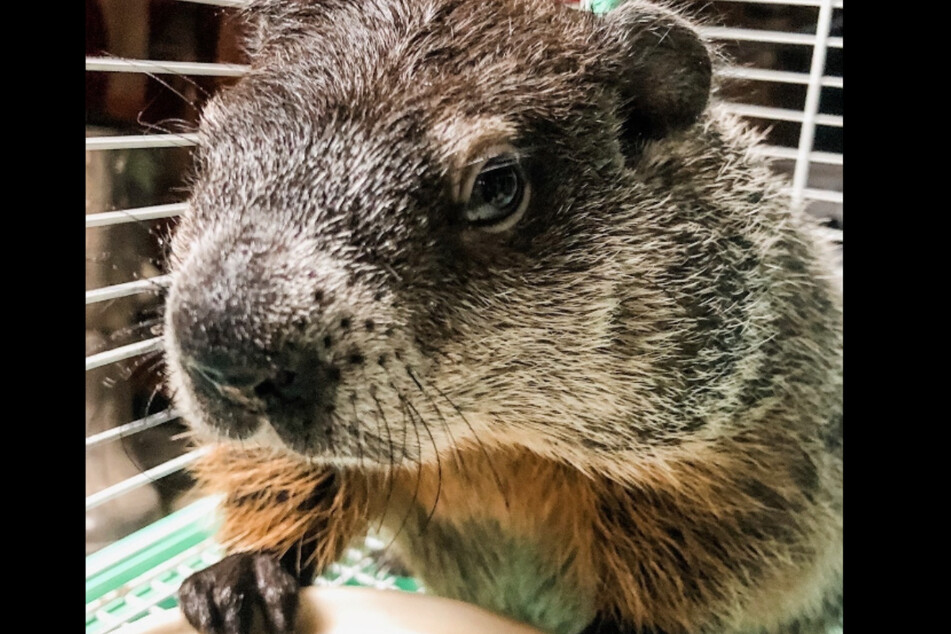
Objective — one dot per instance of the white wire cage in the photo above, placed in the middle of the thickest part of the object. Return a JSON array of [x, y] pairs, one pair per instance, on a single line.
[[150, 65]]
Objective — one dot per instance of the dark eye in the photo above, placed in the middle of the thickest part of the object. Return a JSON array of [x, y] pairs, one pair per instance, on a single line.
[[498, 195]]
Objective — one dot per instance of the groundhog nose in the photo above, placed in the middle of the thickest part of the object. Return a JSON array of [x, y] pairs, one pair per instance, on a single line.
[[221, 373], [253, 386], [286, 385], [291, 391]]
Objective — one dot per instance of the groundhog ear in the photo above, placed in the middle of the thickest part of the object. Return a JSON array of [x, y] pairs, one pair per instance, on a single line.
[[660, 66]]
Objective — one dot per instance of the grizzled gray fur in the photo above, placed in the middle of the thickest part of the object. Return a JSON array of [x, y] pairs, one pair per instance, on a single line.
[[506, 277]]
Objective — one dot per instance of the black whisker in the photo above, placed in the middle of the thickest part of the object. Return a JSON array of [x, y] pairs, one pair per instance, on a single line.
[[178, 93], [456, 452], [485, 452], [391, 474], [432, 440], [163, 125], [419, 474], [360, 432]]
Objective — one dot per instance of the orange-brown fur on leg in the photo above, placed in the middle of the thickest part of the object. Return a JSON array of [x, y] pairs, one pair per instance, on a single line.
[[274, 502]]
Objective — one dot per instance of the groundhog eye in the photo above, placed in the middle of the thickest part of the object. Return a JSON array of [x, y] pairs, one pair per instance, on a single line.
[[499, 194]]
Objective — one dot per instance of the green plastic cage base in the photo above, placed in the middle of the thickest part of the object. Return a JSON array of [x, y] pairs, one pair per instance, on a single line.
[[140, 574]]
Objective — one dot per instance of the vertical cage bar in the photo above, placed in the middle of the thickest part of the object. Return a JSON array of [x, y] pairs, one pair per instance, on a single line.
[[811, 108]]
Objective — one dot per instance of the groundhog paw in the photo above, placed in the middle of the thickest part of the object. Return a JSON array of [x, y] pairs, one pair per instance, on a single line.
[[223, 598]]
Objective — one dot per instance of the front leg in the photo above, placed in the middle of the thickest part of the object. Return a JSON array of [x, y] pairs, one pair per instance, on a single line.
[[283, 521]]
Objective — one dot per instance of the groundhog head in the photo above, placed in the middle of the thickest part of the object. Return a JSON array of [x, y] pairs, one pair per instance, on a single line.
[[413, 226]]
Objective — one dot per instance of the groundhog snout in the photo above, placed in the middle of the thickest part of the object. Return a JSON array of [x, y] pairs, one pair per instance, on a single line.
[[254, 348], [242, 374], [264, 386], [291, 392]]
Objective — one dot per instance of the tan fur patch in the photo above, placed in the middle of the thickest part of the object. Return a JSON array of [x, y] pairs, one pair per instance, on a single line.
[[274, 501]]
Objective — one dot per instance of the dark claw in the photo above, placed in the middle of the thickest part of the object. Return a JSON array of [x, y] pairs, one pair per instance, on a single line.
[[278, 593], [222, 598]]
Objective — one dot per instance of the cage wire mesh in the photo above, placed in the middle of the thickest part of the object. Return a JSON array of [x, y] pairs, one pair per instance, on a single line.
[[151, 65]]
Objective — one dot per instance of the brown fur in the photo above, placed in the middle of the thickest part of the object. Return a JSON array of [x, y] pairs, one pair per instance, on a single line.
[[624, 410], [739, 512], [274, 502]]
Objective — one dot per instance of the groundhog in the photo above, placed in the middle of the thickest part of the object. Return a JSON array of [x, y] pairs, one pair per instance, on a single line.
[[501, 281]]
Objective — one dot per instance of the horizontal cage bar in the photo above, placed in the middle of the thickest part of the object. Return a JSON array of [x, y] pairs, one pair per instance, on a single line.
[[155, 284], [157, 67], [781, 114], [140, 141], [146, 477], [124, 352], [769, 37], [128, 429], [121, 216], [823, 195], [778, 151], [777, 76]]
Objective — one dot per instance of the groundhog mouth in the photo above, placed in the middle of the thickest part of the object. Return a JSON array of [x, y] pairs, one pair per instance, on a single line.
[[294, 402], [320, 406]]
